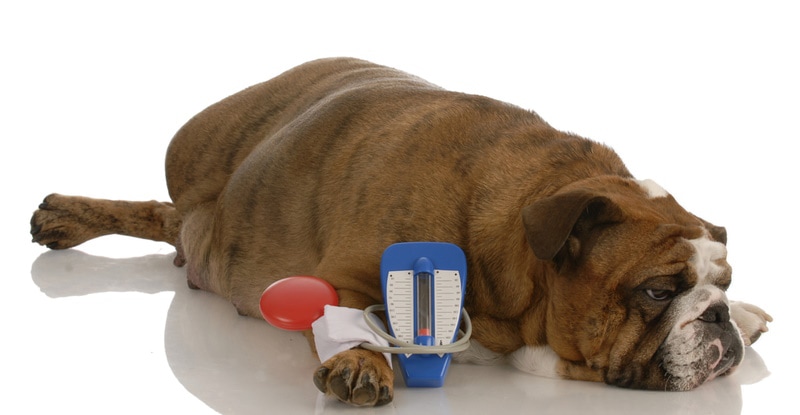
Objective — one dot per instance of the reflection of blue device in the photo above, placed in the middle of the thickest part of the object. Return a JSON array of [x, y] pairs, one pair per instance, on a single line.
[[423, 285]]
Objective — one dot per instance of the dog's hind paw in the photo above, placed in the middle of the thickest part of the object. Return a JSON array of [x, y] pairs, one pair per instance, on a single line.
[[60, 222], [358, 377], [751, 320]]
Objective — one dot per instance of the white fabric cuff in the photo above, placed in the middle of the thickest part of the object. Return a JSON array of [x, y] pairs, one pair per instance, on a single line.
[[343, 328]]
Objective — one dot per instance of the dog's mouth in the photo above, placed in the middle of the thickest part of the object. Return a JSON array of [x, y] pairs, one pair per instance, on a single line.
[[691, 362], [728, 361]]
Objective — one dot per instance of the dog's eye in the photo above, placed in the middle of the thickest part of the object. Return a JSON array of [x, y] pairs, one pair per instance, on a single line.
[[659, 295]]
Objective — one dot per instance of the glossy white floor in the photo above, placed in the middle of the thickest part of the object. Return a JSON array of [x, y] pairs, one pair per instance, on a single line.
[[703, 99]]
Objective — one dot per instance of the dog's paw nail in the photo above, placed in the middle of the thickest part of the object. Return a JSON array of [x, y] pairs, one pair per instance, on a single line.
[[320, 378], [340, 387], [384, 396], [365, 392]]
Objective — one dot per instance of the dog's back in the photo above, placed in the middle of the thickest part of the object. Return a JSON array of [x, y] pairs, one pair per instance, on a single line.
[[318, 170], [211, 146]]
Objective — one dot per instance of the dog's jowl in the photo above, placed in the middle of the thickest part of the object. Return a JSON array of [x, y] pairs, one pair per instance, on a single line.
[[576, 269]]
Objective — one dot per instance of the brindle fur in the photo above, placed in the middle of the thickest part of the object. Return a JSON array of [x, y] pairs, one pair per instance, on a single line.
[[318, 170]]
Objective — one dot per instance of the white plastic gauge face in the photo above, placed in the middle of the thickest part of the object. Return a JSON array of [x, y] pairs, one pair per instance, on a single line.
[[400, 304], [446, 299], [447, 305]]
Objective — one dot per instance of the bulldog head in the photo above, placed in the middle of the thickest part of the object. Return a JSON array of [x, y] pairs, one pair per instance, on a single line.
[[636, 288]]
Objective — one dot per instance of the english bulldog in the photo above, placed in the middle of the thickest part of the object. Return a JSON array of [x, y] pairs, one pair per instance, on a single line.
[[576, 269]]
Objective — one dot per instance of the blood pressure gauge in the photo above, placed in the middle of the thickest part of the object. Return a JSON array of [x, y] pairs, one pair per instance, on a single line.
[[423, 285]]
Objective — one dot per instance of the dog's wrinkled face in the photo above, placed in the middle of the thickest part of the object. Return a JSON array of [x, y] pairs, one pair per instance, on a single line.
[[690, 328], [703, 342], [638, 288]]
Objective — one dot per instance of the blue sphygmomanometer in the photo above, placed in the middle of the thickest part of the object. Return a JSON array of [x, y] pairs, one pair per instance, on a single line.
[[423, 287]]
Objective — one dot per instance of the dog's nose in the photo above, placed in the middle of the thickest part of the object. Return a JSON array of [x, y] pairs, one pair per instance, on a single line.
[[716, 313]]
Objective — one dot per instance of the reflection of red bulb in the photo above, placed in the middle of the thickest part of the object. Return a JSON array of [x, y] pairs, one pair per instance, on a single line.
[[294, 303]]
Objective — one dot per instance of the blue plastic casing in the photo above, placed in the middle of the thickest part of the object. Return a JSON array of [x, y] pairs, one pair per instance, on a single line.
[[406, 262]]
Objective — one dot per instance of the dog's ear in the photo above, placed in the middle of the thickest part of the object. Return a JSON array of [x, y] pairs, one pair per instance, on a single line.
[[719, 233], [563, 221]]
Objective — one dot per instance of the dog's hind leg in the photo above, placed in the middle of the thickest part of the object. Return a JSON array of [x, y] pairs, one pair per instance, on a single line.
[[194, 248], [63, 222]]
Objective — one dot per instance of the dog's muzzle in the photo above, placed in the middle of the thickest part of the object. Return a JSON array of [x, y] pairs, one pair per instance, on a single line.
[[728, 347], [699, 350]]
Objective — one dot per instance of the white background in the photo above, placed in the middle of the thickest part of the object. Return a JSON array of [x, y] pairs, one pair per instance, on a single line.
[[702, 97]]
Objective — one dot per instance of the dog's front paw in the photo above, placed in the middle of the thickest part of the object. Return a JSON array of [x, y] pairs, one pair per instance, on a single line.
[[751, 320], [357, 376]]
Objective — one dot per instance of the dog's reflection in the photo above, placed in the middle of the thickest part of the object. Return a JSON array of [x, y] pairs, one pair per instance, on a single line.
[[241, 365], [234, 364]]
